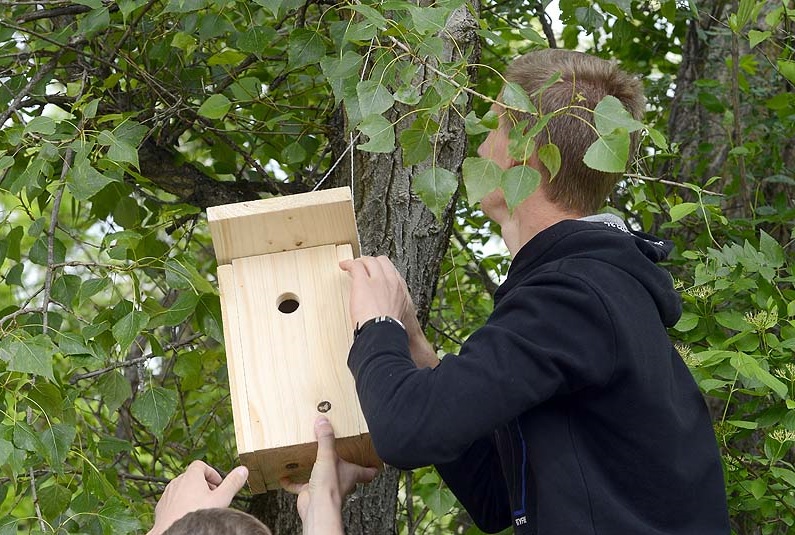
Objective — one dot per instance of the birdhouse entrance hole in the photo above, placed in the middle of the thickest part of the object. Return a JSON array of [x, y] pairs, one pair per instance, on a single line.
[[287, 303]]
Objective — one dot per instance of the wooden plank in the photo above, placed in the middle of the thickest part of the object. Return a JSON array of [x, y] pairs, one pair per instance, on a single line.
[[295, 362], [234, 357], [283, 224], [295, 462]]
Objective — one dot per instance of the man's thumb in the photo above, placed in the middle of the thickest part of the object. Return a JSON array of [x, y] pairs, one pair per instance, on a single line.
[[232, 484]]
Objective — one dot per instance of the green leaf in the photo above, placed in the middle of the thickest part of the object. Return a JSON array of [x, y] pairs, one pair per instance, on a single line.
[[119, 149], [771, 249], [756, 37], [549, 155], [8, 526], [208, 313], [183, 307], [481, 177], [72, 343], [658, 138], [435, 186], [215, 107], [380, 132], [687, 322], [304, 47], [474, 125], [732, 319], [758, 488], [33, 355], [183, 276], [787, 69], [514, 96], [440, 501], [154, 408], [25, 437], [229, 56], [256, 39], [117, 519], [371, 15], [749, 367], [92, 287], [374, 98], [54, 500], [83, 181], [114, 390], [189, 367], [521, 144], [682, 209], [127, 328], [40, 125], [610, 114], [57, 440], [6, 449], [742, 424], [609, 153], [428, 19], [65, 288], [416, 140], [518, 183]]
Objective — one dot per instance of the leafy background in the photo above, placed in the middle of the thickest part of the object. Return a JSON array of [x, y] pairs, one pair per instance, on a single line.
[[122, 121]]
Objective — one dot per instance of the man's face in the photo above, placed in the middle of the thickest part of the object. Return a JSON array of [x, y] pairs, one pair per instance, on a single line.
[[495, 148]]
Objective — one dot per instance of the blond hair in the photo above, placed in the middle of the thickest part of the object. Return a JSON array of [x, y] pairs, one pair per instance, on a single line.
[[584, 81], [217, 522]]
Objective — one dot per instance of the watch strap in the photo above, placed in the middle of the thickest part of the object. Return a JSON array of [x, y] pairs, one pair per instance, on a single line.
[[378, 319]]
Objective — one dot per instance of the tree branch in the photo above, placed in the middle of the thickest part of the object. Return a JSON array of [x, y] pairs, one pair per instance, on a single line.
[[24, 93]]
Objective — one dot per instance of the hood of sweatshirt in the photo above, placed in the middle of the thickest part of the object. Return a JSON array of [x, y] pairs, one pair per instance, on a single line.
[[603, 238]]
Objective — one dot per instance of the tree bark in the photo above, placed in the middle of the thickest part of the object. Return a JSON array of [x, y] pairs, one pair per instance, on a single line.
[[392, 221]]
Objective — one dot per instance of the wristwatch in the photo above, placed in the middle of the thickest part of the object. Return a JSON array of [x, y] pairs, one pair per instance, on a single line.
[[359, 328]]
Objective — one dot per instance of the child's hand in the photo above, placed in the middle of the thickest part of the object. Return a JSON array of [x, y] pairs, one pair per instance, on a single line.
[[320, 500], [200, 487]]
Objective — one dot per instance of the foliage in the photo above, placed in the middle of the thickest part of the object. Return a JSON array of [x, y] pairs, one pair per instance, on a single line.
[[122, 121]]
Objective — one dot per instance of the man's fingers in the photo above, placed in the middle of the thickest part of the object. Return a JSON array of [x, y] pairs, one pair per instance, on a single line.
[[325, 439], [374, 267], [231, 485], [355, 268], [291, 487]]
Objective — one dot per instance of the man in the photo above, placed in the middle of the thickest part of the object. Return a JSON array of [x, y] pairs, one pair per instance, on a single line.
[[570, 411]]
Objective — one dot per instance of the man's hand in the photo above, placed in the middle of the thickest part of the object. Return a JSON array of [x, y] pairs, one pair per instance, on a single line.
[[320, 500], [200, 487], [379, 290]]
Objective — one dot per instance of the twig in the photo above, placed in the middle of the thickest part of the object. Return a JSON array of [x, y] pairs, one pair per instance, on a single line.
[[736, 111], [52, 13], [147, 479], [33, 491], [131, 362], [546, 24], [23, 309], [130, 28], [35, 79], [667, 183]]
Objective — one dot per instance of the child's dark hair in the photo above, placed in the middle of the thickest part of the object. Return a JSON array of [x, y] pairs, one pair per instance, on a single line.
[[217, 522]]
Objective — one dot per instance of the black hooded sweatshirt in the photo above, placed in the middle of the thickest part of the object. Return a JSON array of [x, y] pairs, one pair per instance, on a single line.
[[569, 412]]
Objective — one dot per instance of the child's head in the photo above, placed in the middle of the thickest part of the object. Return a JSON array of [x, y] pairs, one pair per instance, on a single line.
[[217, 522]]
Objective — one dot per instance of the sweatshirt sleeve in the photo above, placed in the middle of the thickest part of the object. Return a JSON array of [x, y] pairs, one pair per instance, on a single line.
[[549, 337]]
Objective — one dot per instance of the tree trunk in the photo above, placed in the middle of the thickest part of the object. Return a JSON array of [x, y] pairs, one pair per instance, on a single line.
[[392, 221]]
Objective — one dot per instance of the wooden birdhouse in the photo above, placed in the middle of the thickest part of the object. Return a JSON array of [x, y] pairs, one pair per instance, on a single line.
[[287, 330]]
